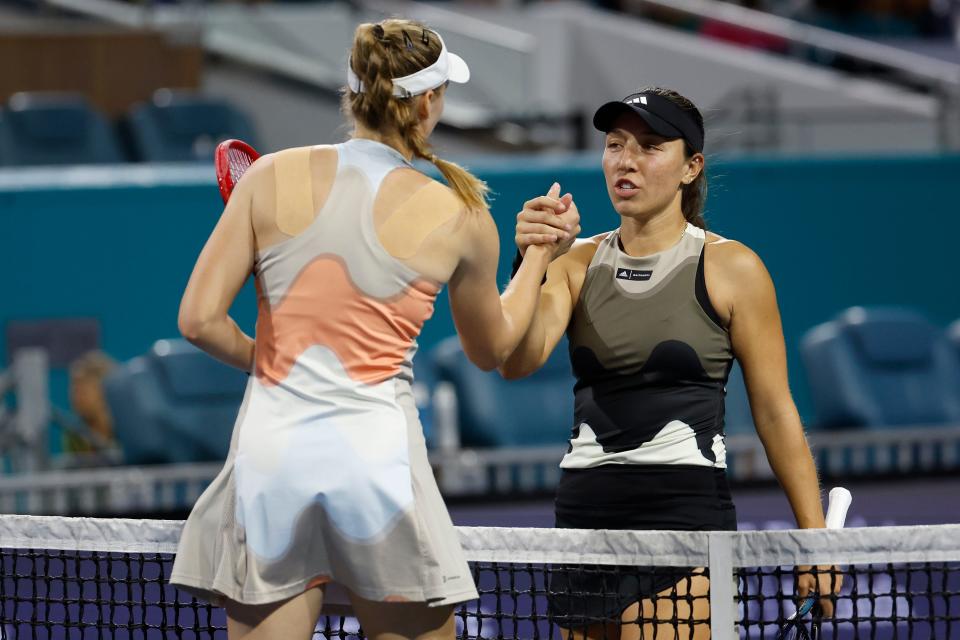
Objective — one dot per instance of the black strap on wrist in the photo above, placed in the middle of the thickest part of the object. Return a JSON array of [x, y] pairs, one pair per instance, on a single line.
[[517, 261]]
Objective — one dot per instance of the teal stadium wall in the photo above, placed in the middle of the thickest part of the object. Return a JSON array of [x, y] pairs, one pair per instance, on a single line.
[[119, 244]]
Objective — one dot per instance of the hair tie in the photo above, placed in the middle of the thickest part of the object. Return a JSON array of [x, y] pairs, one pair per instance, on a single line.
[[378, 32], [407, 41], [424, 38]]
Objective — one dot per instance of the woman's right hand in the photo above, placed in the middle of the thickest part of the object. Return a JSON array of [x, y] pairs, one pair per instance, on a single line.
[[550, 219]]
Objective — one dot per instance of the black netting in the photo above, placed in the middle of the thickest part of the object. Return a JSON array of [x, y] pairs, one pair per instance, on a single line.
[[80, 595], [915, 601]]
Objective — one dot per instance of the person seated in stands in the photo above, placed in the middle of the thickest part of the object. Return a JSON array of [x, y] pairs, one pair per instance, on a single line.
[[866, 18], [742, 35], [87, 401]]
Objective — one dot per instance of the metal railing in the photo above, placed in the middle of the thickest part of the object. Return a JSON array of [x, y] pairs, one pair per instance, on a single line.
[[23, 430], [466, 471], [932, 70], [111, 490], [307, 44], [938, 78]]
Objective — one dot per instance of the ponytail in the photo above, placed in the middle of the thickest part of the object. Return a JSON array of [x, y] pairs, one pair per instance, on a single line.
[[693, 196], [470, 189], [385, 51]]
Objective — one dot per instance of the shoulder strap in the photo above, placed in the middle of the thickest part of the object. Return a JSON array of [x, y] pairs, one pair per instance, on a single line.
[[605, 250], [294, 189]]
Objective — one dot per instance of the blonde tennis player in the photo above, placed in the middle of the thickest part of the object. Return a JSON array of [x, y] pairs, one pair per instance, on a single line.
[[327, 479]]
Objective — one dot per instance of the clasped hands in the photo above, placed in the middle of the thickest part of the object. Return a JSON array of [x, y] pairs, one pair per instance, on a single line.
[[547, 220]]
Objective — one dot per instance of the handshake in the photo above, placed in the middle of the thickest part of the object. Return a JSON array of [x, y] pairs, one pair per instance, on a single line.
[[549, 220]]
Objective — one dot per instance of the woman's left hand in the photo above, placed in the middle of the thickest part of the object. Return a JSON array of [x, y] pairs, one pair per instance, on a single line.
[[825, 580]]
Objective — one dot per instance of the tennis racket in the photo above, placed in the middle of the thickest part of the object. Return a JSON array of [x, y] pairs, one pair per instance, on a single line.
[[794, 628], [231, 159]]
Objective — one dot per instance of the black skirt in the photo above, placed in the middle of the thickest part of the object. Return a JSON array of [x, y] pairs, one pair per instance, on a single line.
[[673, 497]]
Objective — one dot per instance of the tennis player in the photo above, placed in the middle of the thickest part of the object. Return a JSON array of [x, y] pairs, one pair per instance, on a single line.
[[655, 311], [327, 479]]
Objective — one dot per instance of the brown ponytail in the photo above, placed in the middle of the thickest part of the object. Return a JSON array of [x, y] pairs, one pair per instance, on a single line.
[[392, 49], [693, 197]]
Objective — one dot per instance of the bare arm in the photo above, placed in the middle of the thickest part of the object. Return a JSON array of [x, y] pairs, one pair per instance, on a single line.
[[757, 337], [540, 220], [549, 323], [223, 266], [491, 325]]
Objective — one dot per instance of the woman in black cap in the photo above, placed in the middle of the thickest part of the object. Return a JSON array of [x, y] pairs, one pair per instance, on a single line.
[[655, 311]]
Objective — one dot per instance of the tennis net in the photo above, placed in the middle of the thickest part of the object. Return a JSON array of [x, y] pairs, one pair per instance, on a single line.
[[97, 578]]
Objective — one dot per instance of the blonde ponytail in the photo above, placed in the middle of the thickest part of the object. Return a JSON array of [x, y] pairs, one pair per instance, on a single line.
[[392, 49], [469, 188]]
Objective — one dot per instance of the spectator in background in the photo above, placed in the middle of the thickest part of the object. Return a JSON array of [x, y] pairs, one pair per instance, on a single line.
[[744, 36], [937, 18], [866, 18], [87, 401]]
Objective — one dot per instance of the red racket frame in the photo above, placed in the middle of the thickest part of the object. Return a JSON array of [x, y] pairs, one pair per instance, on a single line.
[[228, 174]]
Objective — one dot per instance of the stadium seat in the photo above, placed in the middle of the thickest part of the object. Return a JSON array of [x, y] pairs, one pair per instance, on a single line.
[[881, 367], [184, 127], [55, 129], [493, 412], [174, 404], [738, 417], [424, 380]]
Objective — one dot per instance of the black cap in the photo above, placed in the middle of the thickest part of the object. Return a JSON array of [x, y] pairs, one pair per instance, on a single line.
[[662, 116]]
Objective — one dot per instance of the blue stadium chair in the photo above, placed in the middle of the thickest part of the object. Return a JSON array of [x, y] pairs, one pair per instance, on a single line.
[[738, 417], [424, 380], [174, 404], [185, 127], [881, 367], [493, 412], [55, 129]]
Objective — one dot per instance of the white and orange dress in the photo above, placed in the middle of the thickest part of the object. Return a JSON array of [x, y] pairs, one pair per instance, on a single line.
[[327, 478]]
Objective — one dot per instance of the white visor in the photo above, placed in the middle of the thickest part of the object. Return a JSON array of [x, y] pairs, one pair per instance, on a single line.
[[449, 67]]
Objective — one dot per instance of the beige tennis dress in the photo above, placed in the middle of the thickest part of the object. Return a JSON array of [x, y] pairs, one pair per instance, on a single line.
[[327, 478]]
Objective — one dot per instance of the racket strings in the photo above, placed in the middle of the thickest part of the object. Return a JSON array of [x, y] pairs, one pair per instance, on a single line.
[[239, 162]]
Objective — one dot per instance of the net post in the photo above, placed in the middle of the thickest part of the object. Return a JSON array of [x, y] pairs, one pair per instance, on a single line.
[[723, 605]]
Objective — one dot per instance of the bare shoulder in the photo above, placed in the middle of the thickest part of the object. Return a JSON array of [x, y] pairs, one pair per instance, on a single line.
[[441, 197], [324, 154], [731, 254], [584, 249], [415, 179], [408, 187], [733, 261], [574, 263], [261, 167], [292, 152]]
